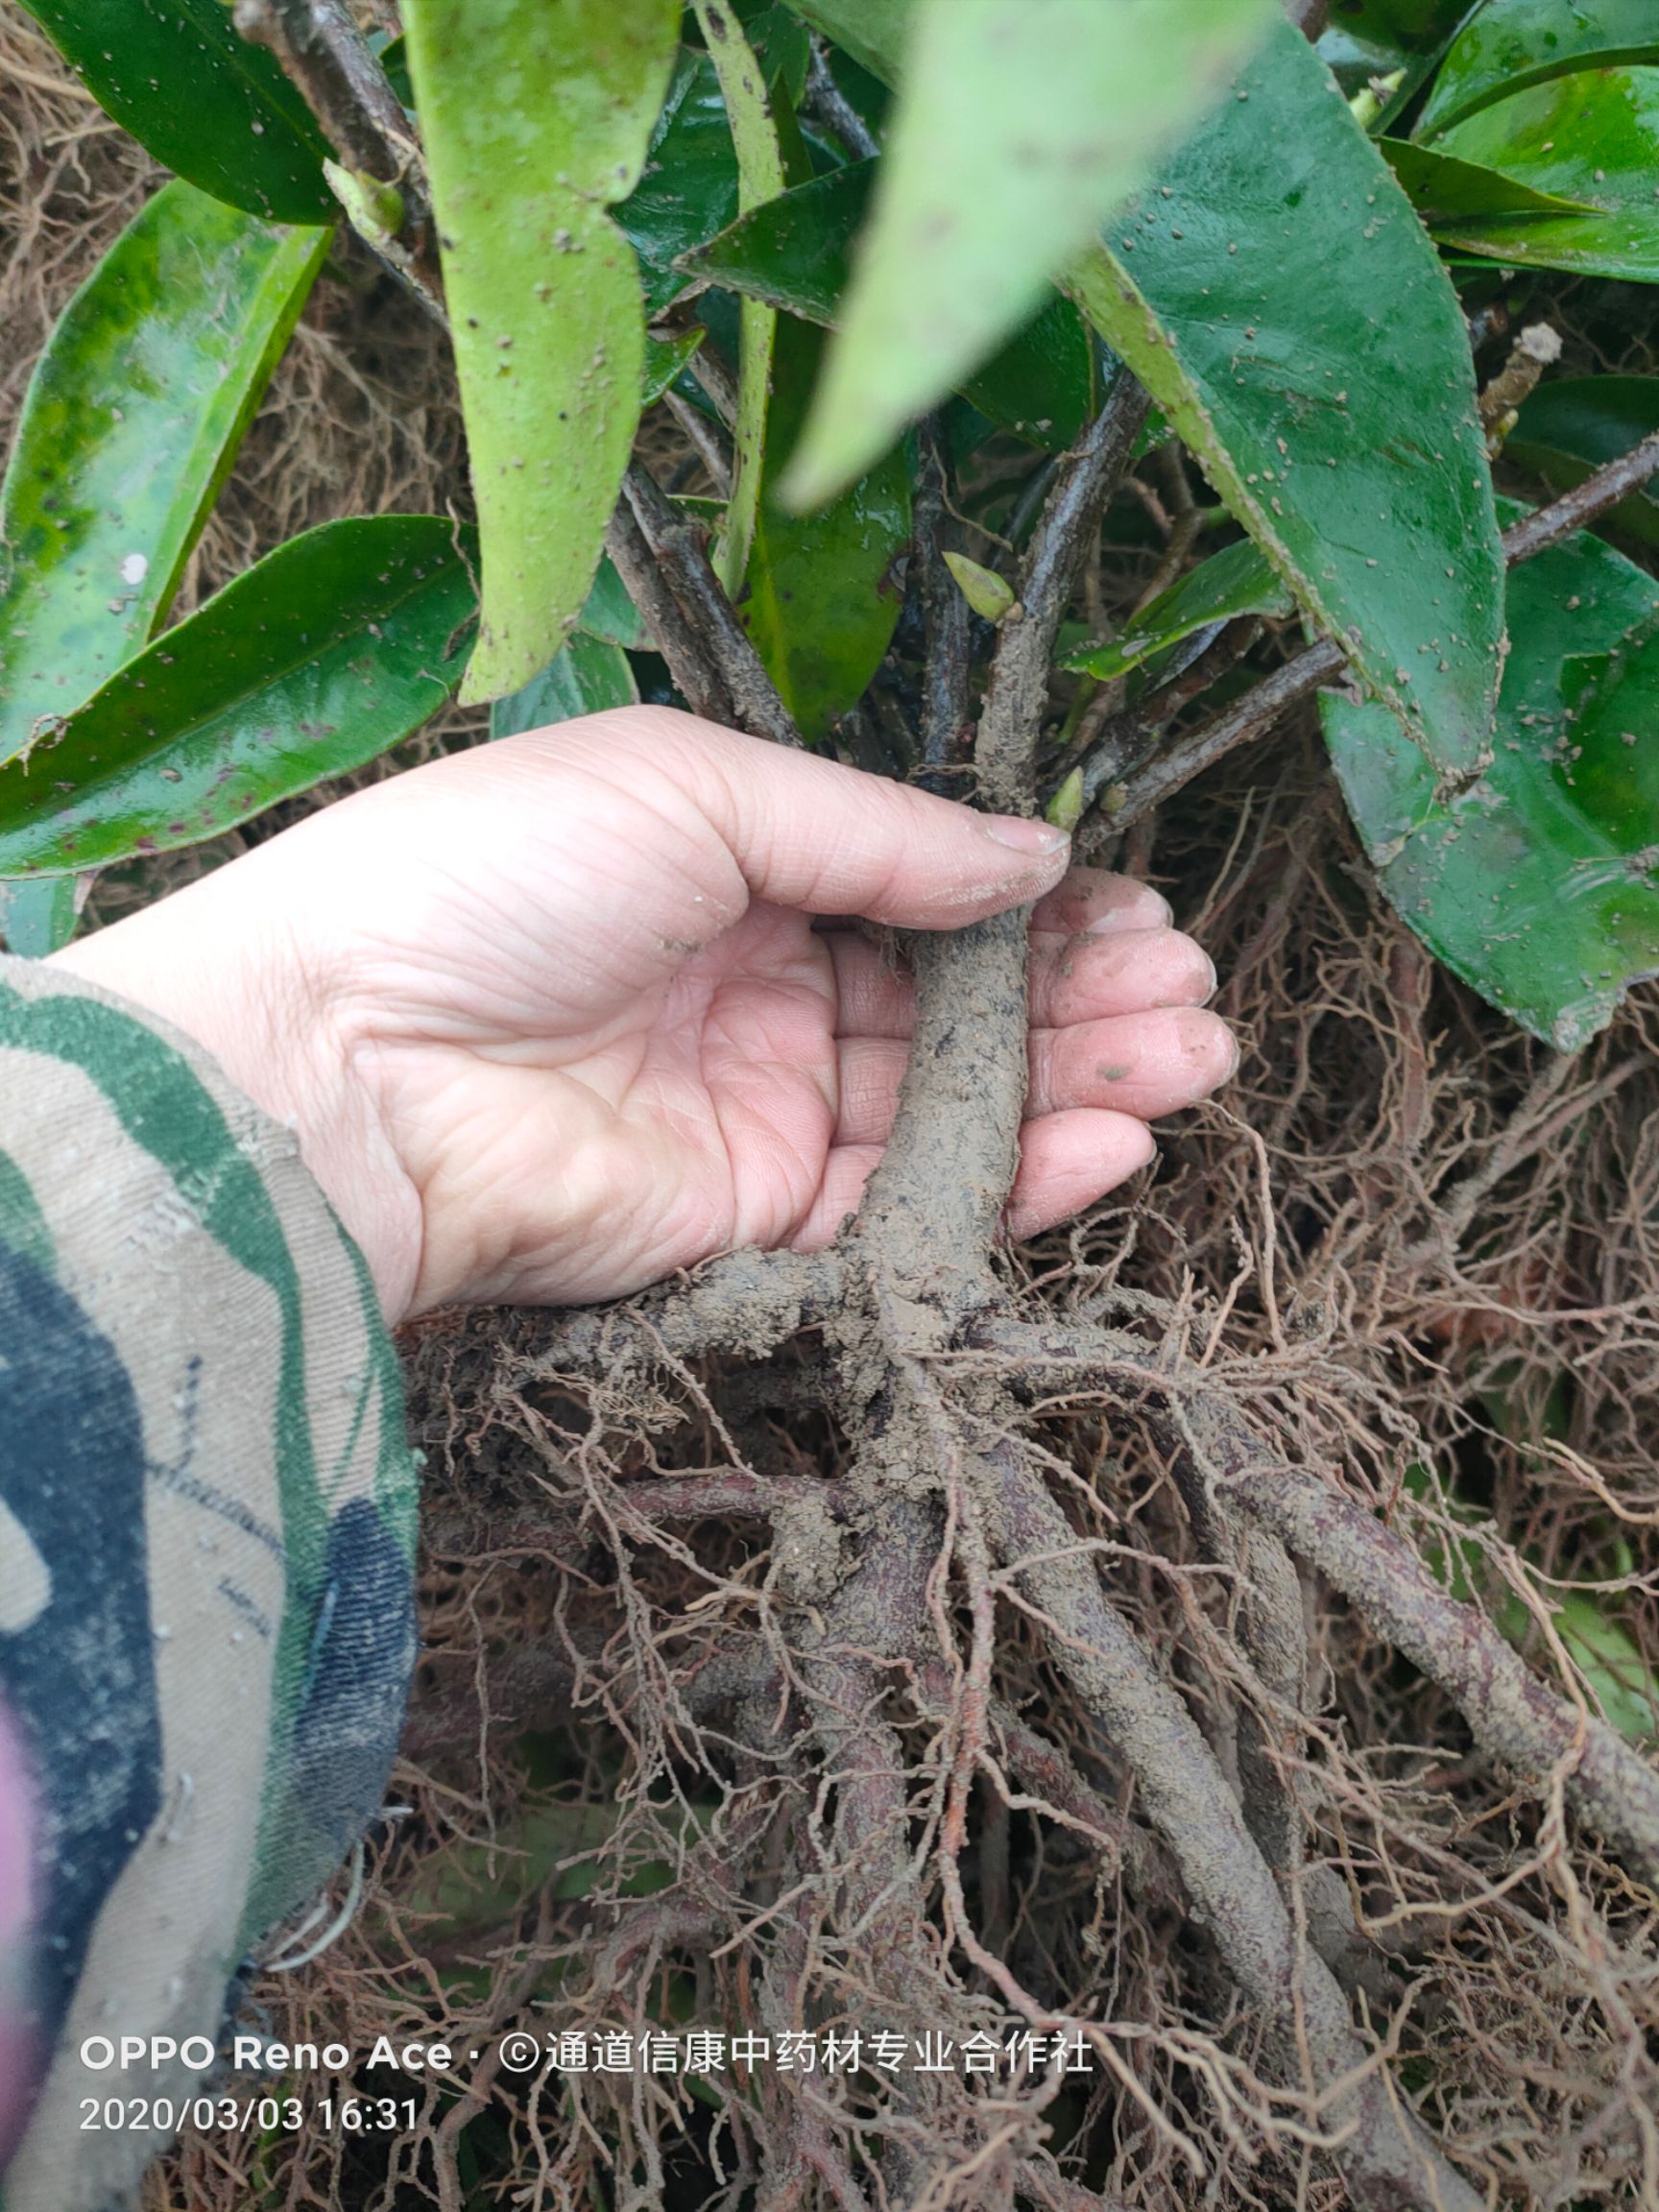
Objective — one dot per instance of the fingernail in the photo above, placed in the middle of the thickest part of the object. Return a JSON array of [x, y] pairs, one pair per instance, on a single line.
[[1021, 836]]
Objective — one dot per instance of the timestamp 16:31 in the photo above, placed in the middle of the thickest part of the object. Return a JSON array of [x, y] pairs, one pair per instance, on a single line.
[[246, 2115]]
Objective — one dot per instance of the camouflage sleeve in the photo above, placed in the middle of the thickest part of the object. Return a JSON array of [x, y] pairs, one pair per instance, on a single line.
[[206, 1531]]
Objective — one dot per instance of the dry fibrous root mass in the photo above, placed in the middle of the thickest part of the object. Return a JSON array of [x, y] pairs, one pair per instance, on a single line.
[[936, 1641]]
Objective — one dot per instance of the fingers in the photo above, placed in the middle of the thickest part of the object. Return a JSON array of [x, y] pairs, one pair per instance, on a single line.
[[1067, 1162], [1092, 900], [1119, 970], [809, 833], [1145, 1064]]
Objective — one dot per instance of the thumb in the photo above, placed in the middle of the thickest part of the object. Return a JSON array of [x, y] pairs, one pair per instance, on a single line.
[[812, 834]]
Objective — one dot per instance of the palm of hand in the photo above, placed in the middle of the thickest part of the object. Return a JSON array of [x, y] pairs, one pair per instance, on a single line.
[[552, 1019], [621, 1122]]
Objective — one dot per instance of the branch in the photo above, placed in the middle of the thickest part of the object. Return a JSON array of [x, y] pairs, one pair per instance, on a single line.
[[694, 679], [828, 105], [1120, 743], [1256, 714], [327, 59], [719, 642], [1017, 697], [944, 708], [1549, 525]]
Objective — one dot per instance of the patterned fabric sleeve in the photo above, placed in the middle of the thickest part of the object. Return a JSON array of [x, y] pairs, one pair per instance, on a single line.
[[206, 1532]]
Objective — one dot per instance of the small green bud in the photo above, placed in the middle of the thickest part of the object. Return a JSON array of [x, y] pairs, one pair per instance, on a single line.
[[982, 588], [373, 209], [1065, 807]]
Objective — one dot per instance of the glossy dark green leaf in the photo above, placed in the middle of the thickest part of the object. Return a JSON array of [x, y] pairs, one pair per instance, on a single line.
[[38, 917], [393, 58], [1019, 131], [1510, 44], [820, 599], [1572, 425], [1235, 581], [1280, 299], [133, 417], [783, 48], [795, 252], [325, 653], [536, 121], [1592, 137], [1539, 886], [583, 678], [1362, 43], [207, 104], [687, 190], [1442, 188], [665, 359]]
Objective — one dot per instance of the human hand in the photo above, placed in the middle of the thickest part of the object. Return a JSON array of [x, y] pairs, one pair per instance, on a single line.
[[552, 1019]]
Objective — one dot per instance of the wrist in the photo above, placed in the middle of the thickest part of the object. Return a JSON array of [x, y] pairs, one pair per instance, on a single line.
[[262, 1011]]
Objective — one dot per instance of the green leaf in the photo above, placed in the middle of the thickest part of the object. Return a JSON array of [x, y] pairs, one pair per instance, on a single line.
[[38, 917], [795, 252], [688, 190], [1594, 138], [1019, 129], [872, 31], [1510, 44], [1570, 426], [783, 48], [1442, 188], [132, 420], [583, 678], [665, 358], [536, 121], [207, 104], [1610, 1660], [1280, 302], [610, 614], [1540, 885], [820, 600], [325, 653], [1235, 581]]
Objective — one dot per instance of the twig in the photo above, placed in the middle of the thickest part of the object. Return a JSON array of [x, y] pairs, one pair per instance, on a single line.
[[678, 545], [1534, 532], [1120, 742], [945, 619], [1017, 693], [328, 61], [712, 446], [828, 105], [671, 633], [1255, 715]]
